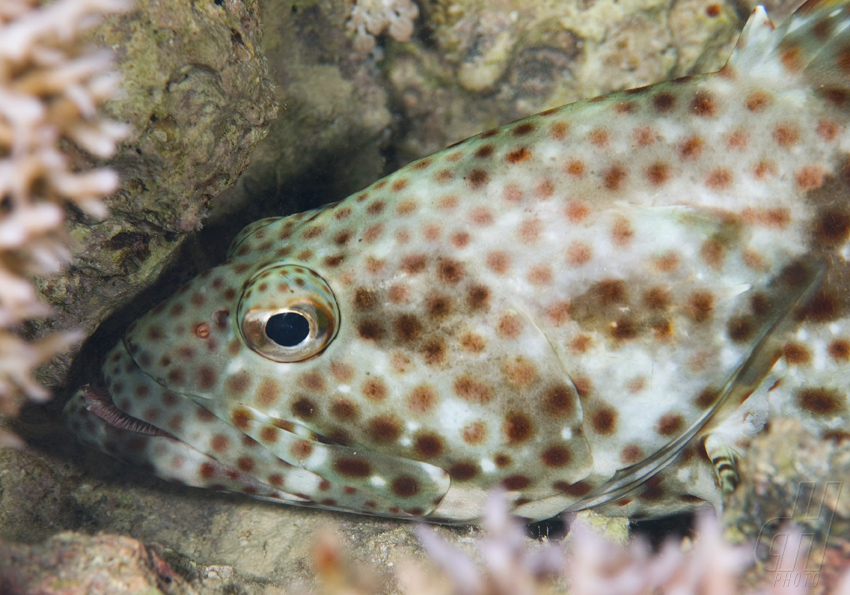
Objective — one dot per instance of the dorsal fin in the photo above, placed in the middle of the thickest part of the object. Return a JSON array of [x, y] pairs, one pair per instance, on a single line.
[[810, 49]]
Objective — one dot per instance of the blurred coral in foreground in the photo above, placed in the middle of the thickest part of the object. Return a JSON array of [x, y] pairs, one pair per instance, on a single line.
[[507, 563], [51, 86]]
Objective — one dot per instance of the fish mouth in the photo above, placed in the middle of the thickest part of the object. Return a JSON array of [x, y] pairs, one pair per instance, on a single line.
[[133, 417], [125, 400], [98, 402]]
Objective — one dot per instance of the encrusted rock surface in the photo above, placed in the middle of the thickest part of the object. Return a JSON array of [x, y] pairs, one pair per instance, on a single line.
[[219, 543], [197, 98], [74, 564], [794, 482], [334, 117], [480, 63]]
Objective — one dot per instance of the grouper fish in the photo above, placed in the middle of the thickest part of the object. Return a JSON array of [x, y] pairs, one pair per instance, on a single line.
[[593, 307]]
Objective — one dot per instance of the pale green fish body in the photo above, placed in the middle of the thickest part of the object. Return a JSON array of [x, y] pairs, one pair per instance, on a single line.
[[594, 306]]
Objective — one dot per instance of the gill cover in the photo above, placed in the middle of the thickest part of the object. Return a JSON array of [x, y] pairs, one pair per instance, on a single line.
[[287, 313]]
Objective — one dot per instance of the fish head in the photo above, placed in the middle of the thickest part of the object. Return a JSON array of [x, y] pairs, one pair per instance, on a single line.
[[412, 358]]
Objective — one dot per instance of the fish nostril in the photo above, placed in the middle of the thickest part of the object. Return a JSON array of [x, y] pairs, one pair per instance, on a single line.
[[220, 317], [202, 330]]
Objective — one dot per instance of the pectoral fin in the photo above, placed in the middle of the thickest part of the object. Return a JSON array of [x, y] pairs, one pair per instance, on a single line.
[[741, 383]]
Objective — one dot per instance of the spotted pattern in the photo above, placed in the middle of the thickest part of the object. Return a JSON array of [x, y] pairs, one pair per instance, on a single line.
[[536, 307]]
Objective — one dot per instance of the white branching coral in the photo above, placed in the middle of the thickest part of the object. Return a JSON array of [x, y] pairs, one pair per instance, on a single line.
[[50, 89], [370, 18], [507, 563], [510, 567]]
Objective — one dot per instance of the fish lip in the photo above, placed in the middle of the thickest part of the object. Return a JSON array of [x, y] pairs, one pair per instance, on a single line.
[[98, 402]]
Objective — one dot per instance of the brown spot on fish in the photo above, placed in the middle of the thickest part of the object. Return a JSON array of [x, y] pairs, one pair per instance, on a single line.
[[786, 135], [558, 401], [422, 399], [484, 151], [823, 307], [737, 140], [370, 330], [375, 390], [599, 137], [517, 427], [477, 297], [631, 453], [644, 136], [579, 254], [556, 456], [471, 390], [713, 253], [523, 129], [809, 177], [472, 343], [304, 408], [614, 177], [827, 130], [352, 467], [670, 424], [703, 104], [477, 179], [664, 102], [839, 350], [559, 130], [820, 401], [604, 420], [832, 228], [268, 392], [657, 298], [428, 445], [518, 155], [344, 409], [516, 482], [658, 173], [610, 291], [498, 261], [474, 433], [790, 59], [690, 148], [575, 168], [463, 471], [796, 354], [449, 271], [405, 486], [407, 328], [741, 328], [719, 179], [700, 305], [384, 428], [510, 326], [364, 299]]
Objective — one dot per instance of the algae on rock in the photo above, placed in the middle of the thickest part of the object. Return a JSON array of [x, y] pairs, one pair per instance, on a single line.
[[794, 483], [481, 63]]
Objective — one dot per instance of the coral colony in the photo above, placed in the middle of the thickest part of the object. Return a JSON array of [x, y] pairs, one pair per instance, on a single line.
[[50, 91], [371, 18]]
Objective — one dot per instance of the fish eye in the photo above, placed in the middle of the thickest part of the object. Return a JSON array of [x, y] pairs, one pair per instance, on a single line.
[[288, 329], [288, 313]]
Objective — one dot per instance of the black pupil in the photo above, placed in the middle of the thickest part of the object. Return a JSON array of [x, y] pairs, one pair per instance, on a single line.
[[287, 329]]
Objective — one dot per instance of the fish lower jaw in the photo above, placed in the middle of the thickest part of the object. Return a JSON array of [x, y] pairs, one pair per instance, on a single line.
[[99, 403]]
